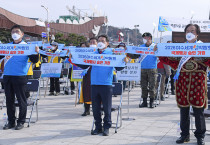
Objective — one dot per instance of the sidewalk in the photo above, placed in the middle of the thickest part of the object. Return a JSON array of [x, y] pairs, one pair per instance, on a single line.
[[61, 123]]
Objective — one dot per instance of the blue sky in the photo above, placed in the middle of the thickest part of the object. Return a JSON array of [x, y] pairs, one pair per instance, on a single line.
[[121, 13]]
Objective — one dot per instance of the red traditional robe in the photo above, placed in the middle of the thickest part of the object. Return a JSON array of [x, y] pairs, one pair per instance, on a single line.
[[191, 87]]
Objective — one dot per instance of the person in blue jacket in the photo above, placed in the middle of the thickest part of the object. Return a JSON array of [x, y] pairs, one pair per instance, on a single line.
[[15, 80], [148, 73], [101, 88]]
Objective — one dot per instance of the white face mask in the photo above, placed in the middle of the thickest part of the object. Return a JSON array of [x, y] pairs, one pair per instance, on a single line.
[[93, 45], [101, 45], [121, 48], [15, 36], [144, 41], [190, 36]]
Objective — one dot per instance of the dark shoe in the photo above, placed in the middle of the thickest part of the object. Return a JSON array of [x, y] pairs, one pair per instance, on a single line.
[[162, 98], [8, 126], [87, 109], [72, 93], [86, 113], [151, 103], [51, 93], [57, 93], [183, 139], [19, 126], [106, 132], [96, 131], [144, 104], [200, 141]]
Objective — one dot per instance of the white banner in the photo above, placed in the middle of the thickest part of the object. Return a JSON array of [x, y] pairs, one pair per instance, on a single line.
[[140, 50], [131, 72], [178, 24], [98, 59], [17, 49], [183, 49], [82, 49], [77, 71], [58, 54], [51, 70]]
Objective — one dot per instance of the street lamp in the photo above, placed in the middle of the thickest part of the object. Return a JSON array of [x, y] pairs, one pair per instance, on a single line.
[[47, 27], [135, 26], [192, 14]]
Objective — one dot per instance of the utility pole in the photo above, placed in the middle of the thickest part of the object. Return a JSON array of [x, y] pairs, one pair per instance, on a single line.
[[135, 26], [48, 25]]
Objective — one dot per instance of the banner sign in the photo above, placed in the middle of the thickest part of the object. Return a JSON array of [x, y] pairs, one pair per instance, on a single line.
[[44, 35], [59, 54], [140, 50], [17, 49], [178, 24], [183, 49], [119, 51], [46, 46], [74, 49], [61, 46], [51, 70], [76, 74], [131, 72], [98, 59], [69, 47], [38, 43], [82, 49]]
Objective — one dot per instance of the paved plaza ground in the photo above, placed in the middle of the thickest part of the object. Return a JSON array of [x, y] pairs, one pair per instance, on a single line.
[[61, 123]]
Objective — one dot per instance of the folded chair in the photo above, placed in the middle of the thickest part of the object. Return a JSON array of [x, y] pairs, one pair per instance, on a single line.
[[117, 90], [32, 86], [167, 88], [37, 75], [65, 80]]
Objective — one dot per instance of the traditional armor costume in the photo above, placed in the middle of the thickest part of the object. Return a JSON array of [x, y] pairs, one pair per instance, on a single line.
[[191, 87]]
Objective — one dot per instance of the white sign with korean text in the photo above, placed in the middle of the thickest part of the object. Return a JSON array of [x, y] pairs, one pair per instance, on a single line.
[[178, 24], [183, 49], [131, 72], [51, 70]]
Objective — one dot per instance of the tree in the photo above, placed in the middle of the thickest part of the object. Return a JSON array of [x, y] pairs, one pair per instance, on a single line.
[[72, 38], [5, 36], [59, 37]]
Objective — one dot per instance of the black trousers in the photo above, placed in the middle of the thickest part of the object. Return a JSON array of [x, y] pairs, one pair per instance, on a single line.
[[72, 86], [54, 85], [16, 86], [199, 122], [102, 94]]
